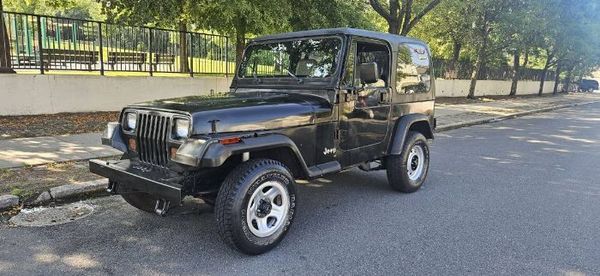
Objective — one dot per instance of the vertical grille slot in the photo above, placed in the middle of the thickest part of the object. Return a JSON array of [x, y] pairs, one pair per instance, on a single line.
[[152, 137]]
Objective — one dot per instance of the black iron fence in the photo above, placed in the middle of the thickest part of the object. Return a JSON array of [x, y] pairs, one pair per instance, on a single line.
[[46, 43], [56, 43]]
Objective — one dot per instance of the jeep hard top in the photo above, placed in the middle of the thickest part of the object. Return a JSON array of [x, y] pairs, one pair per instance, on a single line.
[[302, 105]]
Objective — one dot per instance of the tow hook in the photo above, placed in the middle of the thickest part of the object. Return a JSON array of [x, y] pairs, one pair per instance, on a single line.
[[112, 187], [162, 207]]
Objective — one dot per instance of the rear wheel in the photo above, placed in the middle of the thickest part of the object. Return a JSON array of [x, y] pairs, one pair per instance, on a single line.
[[255, 206], [407, 172], [142, 201]]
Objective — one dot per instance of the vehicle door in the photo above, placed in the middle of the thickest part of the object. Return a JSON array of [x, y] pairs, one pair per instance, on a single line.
[[364, 105]]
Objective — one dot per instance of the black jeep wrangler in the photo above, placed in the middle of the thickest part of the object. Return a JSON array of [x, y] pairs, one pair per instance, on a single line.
[[302, 105]]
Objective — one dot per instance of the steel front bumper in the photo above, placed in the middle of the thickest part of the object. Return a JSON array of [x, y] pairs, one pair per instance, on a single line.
[[129, 176]]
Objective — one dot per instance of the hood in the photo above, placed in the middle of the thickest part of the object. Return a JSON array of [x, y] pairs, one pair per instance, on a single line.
[[247, 111]]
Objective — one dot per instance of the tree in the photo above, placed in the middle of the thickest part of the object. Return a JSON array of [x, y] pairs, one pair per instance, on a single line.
[[489, 18], [570, 39], [5, 62], [242, 18], [316, 14], [400, 14], [80, 9], [444, 29], [525, 36]]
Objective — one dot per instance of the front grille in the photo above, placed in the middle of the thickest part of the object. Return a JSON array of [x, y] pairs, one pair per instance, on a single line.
[[152, 134]]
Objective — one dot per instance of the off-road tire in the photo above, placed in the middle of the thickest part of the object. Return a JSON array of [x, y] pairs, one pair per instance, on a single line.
[[396, 165], [233, 199], [142, 201]]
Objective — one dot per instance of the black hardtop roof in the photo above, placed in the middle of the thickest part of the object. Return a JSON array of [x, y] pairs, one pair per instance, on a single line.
[[393, 39]]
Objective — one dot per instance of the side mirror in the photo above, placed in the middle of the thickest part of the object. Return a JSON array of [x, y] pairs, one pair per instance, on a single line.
[[368, 72]]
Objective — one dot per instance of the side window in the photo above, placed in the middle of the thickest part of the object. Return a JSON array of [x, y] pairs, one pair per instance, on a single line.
[[413, 72], [362, 53], [374, 53]]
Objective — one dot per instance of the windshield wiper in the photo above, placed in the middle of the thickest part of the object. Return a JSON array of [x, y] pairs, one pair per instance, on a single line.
[[293, 76]]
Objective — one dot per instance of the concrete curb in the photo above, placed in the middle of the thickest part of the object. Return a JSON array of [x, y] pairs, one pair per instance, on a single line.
[[70, 191], [510, 116]]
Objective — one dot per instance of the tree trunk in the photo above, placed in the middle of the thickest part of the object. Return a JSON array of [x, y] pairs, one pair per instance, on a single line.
[[451, 72], [543, 80], [475, 75], [394, 26], [545, 74], [567, 85], [184, 65], [557, 79], [5, 62], [526, 58], [456, 48], [480, 58], [240, 43], [515, 75]]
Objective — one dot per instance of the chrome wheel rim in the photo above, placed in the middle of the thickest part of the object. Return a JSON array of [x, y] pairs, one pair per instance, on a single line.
[[267, 209], [416, 162]]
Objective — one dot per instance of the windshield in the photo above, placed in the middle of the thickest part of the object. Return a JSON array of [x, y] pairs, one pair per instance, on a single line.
[[314, 58]]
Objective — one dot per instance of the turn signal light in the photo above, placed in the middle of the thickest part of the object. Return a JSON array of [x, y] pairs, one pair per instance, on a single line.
[[173, 152], [229, 141], [132, 144]]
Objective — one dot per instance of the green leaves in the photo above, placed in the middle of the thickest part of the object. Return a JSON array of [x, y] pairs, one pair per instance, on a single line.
[[316, 14]]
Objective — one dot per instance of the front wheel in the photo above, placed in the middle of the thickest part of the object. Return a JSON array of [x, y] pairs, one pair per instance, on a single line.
[[255, 206], [407, 172]]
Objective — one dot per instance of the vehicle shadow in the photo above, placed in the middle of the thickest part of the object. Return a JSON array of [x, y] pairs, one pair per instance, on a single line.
[[118, 238]]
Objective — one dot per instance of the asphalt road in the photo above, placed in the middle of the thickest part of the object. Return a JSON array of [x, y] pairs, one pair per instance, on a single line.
[[519, 197]]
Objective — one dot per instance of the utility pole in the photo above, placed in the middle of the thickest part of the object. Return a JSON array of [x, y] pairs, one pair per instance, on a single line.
[[5, 66]]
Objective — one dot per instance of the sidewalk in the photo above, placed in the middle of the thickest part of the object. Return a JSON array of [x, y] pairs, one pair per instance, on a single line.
[[451, 115], [42, 150]]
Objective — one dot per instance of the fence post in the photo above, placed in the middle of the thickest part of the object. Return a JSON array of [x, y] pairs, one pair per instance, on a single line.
[[150, 37], [40, 44], [191, 51], [226, 56], [5, 54], [101, 48]]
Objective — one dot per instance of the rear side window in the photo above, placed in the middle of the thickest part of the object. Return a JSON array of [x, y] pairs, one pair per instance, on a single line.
[[413, 72]]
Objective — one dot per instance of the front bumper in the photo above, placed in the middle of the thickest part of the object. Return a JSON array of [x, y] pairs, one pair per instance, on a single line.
[[131, 176]]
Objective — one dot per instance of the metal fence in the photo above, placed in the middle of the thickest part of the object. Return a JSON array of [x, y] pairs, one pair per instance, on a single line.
[[56, 43], [47, 43]]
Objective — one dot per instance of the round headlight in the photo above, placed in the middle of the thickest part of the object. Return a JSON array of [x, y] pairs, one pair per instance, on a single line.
[[131, 121], [182, 128]]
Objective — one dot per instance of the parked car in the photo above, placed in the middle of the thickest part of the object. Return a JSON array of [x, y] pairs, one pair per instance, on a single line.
[[588, 85], [302, 105]]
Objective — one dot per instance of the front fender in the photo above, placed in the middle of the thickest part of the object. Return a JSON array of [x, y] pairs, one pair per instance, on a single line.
[[211, 153], [403, 125]]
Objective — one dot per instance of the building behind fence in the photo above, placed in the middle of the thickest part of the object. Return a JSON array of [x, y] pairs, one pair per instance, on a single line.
[[47, 43]]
